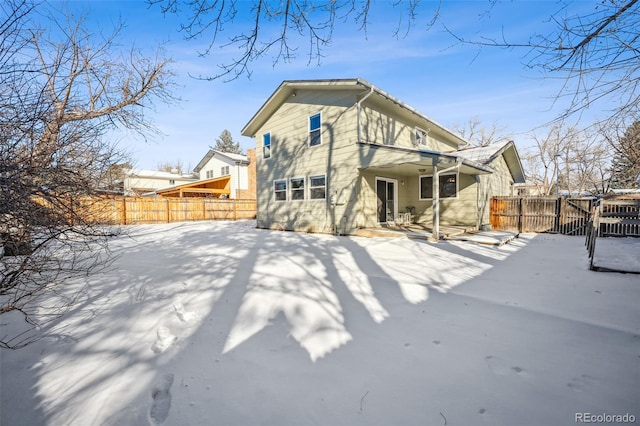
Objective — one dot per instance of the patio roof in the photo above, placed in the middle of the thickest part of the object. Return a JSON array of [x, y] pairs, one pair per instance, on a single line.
[[409, 161], [202, 188], [487, 154]]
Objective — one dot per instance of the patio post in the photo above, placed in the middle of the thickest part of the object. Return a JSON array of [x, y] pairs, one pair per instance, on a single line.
[[436, 202]]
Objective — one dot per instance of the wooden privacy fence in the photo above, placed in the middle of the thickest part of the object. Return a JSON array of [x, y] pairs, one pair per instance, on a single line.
[[139, 210], [563, 215], [612, 218]]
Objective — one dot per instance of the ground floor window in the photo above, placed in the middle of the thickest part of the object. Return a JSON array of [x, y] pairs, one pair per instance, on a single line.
[[317, 187], [297, 188], [448, 185], [280, 189]]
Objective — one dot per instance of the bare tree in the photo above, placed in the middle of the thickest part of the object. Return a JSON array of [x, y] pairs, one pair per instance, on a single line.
[[175, 166], [480, 135], [296, 22], [565, 159], [596, 53], [60, 92]]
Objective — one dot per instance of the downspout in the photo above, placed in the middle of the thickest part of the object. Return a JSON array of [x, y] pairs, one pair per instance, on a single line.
[[359, 133], [436, 195], [480, 208], [359, 106]]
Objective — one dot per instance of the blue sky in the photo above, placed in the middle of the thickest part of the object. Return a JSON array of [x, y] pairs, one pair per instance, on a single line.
[[450, 83]]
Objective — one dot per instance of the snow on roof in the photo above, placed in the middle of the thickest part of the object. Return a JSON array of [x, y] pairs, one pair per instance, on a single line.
[[158, 174], [625, 191], [238, 158], [482, 154]]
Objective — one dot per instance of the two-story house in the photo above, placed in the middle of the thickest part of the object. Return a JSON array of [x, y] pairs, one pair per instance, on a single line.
[[221, 175], [337, 155]]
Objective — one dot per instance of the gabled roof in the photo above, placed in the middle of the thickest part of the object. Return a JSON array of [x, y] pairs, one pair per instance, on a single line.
[[489, 153], [237, 158], [288, 88]]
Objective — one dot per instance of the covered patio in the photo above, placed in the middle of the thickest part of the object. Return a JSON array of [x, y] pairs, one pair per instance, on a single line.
[[211, 188], [412, 176]]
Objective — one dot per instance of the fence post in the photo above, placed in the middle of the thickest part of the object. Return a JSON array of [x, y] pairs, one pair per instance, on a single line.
[[124, 210], [168, 212], [520, 215]]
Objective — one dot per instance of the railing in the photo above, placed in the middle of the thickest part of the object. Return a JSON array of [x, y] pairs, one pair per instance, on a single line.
[[612, 218]]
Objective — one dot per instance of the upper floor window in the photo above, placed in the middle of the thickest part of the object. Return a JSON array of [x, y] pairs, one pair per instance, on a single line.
[[420, 137], [172, 181], [280, 189], [224, 170], [266, 145], [297, 188], [448, 186], [317, 187], [209, 174], [315, 137]]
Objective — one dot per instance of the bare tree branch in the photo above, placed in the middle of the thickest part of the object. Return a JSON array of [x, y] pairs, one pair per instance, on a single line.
[[60, 92]]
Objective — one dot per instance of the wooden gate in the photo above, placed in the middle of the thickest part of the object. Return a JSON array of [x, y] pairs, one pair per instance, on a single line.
[[568, 216]]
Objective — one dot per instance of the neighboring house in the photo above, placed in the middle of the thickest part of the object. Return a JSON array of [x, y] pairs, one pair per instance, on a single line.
[[221, 175], [139, 182], [338, 155], [527, 189]]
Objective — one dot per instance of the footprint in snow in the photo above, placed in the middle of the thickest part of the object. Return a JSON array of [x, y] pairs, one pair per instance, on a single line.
[[160, 400], [578, 384], [182, 314], [499, 366], [164, 339]]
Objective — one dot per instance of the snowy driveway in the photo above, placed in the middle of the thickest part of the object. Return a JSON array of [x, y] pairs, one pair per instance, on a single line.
[[218, 323]]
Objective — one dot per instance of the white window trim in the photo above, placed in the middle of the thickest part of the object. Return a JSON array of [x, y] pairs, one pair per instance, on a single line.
[[270, 145], [456, 174], [319, 129], [291, 190], [425, 140], [314, 187], [286, 189]]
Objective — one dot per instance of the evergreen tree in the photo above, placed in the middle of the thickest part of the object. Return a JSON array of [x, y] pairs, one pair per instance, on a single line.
[[626, 159], [225, 143]]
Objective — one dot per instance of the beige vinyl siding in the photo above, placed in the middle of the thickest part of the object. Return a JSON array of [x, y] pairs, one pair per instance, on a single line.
[[496, 184], [381, 127], [453, 211], [291, 156]]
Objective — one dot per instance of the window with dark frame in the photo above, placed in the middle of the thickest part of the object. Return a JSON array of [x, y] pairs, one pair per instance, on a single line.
[[297, 188], [266, 145], [280, 189], [315, 138], [317, 187], [448, 186]]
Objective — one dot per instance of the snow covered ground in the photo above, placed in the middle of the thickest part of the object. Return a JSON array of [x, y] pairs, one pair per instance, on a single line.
[[218, 323]]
